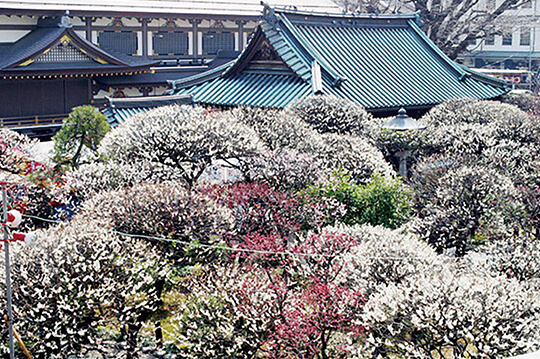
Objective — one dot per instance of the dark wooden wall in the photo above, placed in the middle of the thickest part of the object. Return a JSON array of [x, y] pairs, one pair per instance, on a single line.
[[28, 98]]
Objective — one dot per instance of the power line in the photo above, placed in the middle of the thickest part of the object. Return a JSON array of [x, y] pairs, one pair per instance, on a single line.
[[42, 219], [244, 250]]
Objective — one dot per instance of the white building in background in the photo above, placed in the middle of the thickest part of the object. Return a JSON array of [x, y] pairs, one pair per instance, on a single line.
[[515, 53]]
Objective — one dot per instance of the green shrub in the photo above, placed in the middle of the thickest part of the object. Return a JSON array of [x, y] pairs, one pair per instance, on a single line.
[[381, 201], [79, 136]]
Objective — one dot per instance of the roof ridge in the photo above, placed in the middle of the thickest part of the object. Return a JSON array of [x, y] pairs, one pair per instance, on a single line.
[[460, 72], [296, 35], [198, 78]]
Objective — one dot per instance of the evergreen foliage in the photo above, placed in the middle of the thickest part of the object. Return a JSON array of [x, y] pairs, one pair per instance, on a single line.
[[80, 136]]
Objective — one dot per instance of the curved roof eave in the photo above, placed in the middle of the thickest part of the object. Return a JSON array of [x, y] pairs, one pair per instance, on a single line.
[[202, 77]]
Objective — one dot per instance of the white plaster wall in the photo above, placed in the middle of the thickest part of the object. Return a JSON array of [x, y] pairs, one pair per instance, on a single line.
[[190, 43], [18, 20], [94, 37], [12, 35], [81, 33], [199, 43], [78, 21], [139, 43], [245, 40], [150, 36], [237, 45]]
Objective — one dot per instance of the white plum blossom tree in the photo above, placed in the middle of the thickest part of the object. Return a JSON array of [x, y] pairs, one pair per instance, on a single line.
[[424, 305], [288, 169], [77, 278], [350, 154], [335, 115], [92, 178], [275, 128], [239, 307], [445, 312], [166, 210], [495, 133], [483, 137], [385, 256], [15, 150], [188, 140], [461, 204], [285, 130], [516, 257], [279, 282]]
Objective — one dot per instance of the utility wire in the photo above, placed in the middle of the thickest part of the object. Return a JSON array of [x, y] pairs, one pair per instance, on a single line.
[[236, 249], [42, 219]]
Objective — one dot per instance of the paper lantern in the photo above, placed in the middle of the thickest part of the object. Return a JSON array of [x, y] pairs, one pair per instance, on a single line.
[[27, 238], [14, 219]]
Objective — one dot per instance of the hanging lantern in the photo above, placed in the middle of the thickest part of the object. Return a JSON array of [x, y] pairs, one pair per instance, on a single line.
[[14, 218], [28, 238]]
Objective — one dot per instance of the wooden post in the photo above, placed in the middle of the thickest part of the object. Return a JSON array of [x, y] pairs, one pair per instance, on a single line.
[[19, 340], [144, 23], [8, 275], [195, 23]]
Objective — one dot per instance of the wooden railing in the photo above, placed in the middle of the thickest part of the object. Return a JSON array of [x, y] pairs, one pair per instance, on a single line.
[[32, 121]]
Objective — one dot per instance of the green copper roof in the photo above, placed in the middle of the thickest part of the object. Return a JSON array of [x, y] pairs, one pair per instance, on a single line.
[[231, 91], [118, 110], [380, 62]]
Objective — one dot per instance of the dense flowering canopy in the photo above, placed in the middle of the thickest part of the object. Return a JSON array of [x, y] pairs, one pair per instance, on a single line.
[[260, 265], [461, 204], [182, 213], [185, 139], [77, 278], [333, 114], [355, 155], [16, 151], [498, 134], [422, 305]]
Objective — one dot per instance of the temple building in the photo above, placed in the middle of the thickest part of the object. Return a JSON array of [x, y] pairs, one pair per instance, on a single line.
[[51, 69], [382, 62], [57, 54]]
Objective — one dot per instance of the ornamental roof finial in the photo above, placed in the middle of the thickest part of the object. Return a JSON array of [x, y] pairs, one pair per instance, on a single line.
[[269, 14], [65, 20]]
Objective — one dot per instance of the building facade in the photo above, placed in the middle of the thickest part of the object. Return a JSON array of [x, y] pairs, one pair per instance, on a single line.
[[513, 54], [381, 62], [172, 39]]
